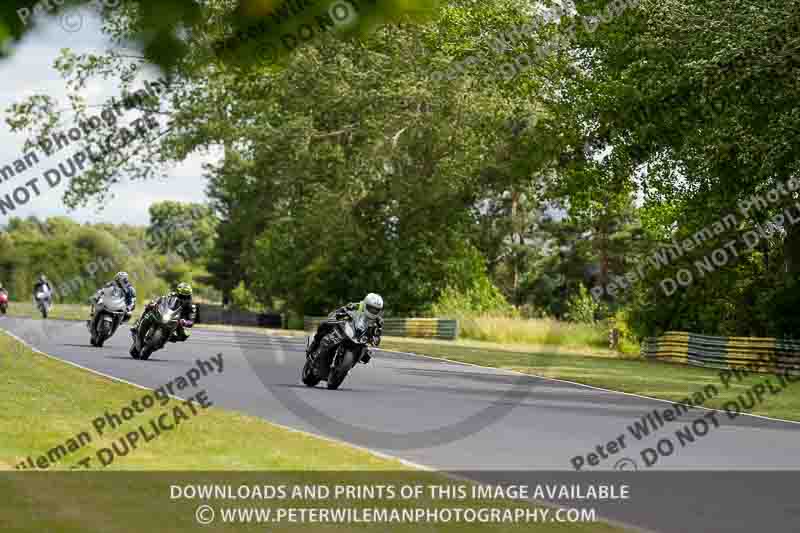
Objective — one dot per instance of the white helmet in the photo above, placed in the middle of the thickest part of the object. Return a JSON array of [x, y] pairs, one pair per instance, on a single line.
[[122, 278], [373, 305]]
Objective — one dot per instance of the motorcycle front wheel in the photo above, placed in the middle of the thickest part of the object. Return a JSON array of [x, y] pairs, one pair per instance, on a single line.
[[152, 344], [103, 333], [309, 376], [339, 372]]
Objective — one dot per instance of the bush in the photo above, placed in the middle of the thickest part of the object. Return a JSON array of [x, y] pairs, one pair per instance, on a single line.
[[545, 331], [628, 342], [244, 299], [582, 307], [481, 299]]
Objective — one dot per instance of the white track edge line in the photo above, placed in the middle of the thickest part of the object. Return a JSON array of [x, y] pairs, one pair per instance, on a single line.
[[558, 380], [641, 396]]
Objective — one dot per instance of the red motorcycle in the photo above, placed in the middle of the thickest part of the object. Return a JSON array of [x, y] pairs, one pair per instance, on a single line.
[[3, 302]]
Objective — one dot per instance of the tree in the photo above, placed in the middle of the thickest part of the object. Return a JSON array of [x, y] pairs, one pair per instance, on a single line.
[[182, 228]]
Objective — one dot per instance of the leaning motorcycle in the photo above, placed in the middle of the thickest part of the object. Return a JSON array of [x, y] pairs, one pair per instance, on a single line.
[[157, 326], [109, 312], [3, 302], [348, 346], [43, 301]]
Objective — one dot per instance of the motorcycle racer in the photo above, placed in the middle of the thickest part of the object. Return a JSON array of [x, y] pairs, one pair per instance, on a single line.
[[371, 306], [120, 280], [187, 315], [41, 285]]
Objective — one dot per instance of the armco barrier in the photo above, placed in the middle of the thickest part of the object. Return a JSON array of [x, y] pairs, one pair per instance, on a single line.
[[216, 314], [759, 354], [432, 328]]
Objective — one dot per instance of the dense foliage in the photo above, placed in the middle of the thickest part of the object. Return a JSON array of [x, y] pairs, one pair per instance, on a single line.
[[78, 258], [510, 185]]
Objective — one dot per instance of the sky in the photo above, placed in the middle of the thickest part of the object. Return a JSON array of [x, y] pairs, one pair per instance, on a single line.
[[29, 71]]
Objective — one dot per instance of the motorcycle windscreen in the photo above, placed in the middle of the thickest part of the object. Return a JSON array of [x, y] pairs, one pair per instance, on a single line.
[[168, 309], [360, 324]]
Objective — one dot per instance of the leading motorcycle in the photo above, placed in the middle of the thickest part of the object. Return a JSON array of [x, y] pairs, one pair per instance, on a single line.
[[43, 301], [348, 338], [109, 311], [157, 326], [3, 302]]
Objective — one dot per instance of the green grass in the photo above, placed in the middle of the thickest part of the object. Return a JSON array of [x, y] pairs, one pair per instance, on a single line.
[[635, 375], [540, 331], [59, 311], [47, 402]]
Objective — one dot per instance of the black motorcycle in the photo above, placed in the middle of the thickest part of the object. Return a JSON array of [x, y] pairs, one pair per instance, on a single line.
[[348, 347], [157, 326]]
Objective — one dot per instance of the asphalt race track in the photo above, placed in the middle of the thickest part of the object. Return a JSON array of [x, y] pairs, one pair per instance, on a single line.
[[497, 425]]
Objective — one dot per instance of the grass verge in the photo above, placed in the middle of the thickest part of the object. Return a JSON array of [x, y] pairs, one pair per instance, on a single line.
[[657, 379], [49, 402], [535, 331], [59, 311]]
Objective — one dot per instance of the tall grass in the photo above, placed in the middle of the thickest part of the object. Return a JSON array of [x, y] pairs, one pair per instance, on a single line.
[[533, 331]]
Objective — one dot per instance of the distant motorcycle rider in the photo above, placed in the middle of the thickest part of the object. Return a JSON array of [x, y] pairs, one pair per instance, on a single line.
[[120, 280], [3, 289], [372, 307], [187, 315], [41, 285]]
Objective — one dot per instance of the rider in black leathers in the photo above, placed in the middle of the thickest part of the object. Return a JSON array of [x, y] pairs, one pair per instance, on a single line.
[[187, 316], [41, 284], [372, 306]]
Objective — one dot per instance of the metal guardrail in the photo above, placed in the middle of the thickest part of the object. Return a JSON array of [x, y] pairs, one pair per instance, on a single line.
[[432, 328], [760, 354]]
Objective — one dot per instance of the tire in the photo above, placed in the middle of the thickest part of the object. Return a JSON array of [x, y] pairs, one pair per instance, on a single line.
[[133, 352], [103, 333], [150, 347], [338, 374], [44, 311], [3, 309], [309, 377]]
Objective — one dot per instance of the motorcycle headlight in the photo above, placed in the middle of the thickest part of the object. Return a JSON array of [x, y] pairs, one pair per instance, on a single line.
[[349, 331]]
